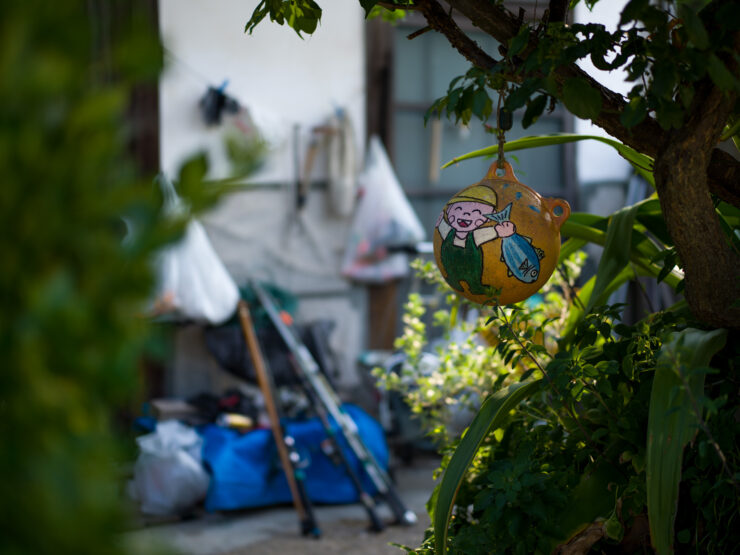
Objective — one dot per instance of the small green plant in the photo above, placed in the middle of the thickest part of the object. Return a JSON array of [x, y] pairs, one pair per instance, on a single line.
[[453, 374], [572, 462], [574, 456]]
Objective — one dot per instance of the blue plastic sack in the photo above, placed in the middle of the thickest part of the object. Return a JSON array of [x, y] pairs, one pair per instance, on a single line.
[[516, 252], [246, 472]]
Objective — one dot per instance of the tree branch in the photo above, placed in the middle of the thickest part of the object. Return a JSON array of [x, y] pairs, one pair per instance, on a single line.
[[711, 267], [502, 25], [647, 137], [440, 20]]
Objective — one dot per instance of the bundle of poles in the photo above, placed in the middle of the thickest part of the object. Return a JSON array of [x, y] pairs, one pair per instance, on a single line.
[[327, 407]]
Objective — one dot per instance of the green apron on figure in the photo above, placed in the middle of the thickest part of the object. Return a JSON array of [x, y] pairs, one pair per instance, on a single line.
[[463, 264]]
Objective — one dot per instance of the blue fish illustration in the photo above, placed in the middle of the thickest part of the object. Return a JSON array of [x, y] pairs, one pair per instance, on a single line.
[[520, 257]]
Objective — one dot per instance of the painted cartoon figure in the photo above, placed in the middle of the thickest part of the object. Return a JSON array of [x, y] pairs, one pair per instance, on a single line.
[[461, 226]]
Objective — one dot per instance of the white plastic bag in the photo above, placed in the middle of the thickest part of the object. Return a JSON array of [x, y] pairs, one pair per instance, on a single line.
[[384, 220], [193, 283], [168, 476]]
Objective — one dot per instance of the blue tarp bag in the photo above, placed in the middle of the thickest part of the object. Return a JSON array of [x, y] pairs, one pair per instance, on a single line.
[[246, 472], [516, 252]]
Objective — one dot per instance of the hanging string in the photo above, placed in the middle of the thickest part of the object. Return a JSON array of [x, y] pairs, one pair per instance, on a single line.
[[503, 124]]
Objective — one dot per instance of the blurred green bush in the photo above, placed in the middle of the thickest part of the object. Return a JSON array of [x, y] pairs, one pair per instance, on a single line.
[[74, 291]]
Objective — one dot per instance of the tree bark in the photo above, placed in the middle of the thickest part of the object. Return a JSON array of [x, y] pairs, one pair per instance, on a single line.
[[711, 266]]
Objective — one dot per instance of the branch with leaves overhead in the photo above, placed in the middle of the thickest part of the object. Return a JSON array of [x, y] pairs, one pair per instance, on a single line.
[[682, 102]]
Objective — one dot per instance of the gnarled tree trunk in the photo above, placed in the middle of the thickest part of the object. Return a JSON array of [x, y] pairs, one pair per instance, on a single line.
[[711, 266]]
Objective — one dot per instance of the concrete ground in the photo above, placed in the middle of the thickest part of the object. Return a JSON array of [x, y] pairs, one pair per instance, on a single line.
[[275, 530]]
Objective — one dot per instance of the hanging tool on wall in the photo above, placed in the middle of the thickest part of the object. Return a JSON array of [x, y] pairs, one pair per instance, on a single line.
[[285, 444], [308, 367], [215, 102], [312, 255]]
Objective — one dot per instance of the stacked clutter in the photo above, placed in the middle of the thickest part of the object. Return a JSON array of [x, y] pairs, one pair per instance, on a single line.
[[217, 451]]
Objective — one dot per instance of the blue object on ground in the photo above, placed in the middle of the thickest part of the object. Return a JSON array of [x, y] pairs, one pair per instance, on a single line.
[[246, 472]]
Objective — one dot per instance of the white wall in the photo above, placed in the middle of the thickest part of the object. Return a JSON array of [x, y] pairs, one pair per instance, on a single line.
[[282, 79]]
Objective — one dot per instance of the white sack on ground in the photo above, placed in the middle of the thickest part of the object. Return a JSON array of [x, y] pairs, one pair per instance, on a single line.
[[168, 476]]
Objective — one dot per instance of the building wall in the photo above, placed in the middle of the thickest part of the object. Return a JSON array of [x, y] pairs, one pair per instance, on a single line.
[[288, 84], [283, 80]]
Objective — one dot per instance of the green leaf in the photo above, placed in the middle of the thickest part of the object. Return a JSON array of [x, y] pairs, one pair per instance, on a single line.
[[643, 164], [617, 250], [569, 247], [632, 11], [719, 73], [494, 410], [669, 114], [581, 99], [590, 499], [301, 15], [481, 104], [368, 5], [664, 79], [585, 295], [534, 110], [518, 43], [634, 112], [694, 27], [672, 423]]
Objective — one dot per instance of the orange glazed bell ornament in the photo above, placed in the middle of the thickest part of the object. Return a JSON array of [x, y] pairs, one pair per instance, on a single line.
[[498, 241]]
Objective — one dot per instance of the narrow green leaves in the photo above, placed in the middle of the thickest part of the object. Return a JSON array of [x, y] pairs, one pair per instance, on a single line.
[[491, 415], [617, 251], [581, 98], [719, 73], [672, 422], [643, 164]]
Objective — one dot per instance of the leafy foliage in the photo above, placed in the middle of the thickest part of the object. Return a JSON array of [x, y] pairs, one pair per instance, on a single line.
[[74, 291], [303, 16], [574, 453], [444, 378], [580, 442]]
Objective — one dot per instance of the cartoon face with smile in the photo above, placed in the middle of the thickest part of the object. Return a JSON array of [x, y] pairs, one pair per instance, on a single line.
[[465, 216]]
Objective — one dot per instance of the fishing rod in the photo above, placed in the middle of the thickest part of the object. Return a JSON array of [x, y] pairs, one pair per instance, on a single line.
[[285, 444], [308, 366], [376, 525]]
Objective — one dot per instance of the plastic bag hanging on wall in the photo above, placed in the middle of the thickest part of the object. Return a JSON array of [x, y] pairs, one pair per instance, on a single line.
[[384, 223], [192, 282]]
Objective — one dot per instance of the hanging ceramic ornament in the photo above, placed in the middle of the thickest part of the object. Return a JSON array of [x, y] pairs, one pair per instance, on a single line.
[[498, 241]]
